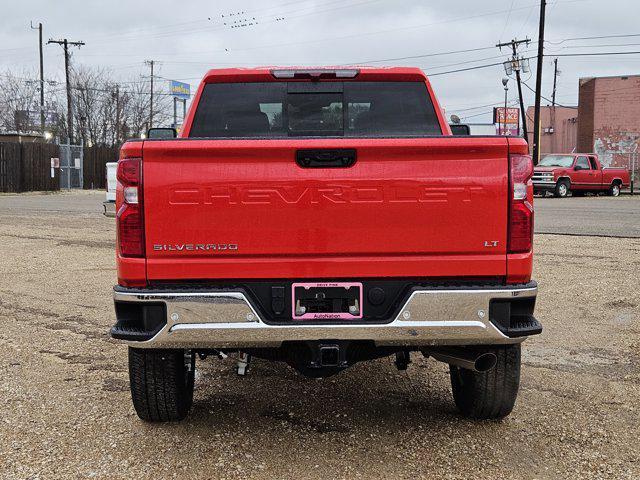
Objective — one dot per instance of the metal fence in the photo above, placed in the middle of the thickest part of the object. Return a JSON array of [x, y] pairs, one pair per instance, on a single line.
[[71, 166]]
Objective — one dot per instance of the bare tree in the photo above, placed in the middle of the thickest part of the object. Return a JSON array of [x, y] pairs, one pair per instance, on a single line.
[[105, 112], [136, 108], [137, 105], [18, 94], [20, 104]]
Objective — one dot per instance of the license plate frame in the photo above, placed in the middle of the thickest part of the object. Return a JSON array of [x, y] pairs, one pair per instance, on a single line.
[[326, 315]]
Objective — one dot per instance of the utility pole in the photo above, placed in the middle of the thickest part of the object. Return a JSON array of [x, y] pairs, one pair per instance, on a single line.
[[536, 118], [505, 81], [65, 44], [517, 66], [117, 115], [553, 105], [39, 28], [151, 63], [175, 112], [555, 78]]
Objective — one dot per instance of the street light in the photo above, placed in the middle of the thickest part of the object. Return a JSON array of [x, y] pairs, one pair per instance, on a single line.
[[505, 81]]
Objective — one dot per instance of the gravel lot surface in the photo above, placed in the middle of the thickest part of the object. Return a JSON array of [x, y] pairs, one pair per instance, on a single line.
[[67, 411]]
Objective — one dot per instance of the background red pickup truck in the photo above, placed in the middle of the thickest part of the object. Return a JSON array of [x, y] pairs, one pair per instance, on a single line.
[[561, 173]]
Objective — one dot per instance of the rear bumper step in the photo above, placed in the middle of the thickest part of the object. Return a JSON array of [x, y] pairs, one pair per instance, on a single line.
[[226, 318]]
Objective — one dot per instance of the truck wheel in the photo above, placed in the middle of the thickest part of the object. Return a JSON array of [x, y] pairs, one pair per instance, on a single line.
[[614, 190], [161, 383], [562, 189], [491, 394]]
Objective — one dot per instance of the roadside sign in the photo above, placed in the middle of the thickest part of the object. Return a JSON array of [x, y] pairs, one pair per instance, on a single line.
[[508, 124], [55, 162], [511, 130], [180, 89]]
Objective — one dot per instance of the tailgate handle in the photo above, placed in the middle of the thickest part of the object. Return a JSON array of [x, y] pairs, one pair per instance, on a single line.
[[326, 158]]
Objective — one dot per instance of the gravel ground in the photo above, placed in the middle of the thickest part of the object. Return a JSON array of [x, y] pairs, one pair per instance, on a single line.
[[67, 411]]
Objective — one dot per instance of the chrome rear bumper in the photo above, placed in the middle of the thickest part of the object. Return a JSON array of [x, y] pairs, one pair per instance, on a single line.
[[227, 319]]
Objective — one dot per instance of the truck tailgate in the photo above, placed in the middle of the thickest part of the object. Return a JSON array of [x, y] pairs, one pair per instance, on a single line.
[[421, 207]]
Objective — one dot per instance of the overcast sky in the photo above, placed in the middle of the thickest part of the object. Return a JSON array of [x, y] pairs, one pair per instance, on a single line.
[[187, 38]]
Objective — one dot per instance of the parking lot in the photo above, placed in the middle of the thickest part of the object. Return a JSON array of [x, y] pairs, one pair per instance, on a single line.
[[67, 411], [599, 216]]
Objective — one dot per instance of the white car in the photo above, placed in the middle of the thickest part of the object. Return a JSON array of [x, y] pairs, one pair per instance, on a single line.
[[110, 203]]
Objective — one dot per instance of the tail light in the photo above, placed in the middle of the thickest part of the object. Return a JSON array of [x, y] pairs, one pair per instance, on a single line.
[[520, 238], [130, 216]]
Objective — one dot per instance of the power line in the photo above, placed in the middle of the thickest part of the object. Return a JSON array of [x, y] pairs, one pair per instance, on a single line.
[[599, 37], [511, 103], [498, 102], [223, 27], [587, 54], [581, 54], [477, 67], [543, 97], [427, 55], [602, 45], [506, 23], [342, 37]]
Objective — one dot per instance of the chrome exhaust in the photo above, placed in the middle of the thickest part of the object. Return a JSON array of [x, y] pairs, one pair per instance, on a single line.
[[478, 361]]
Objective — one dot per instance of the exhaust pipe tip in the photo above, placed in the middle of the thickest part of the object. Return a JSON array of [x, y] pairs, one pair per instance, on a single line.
[[464, 358], [485, 362]]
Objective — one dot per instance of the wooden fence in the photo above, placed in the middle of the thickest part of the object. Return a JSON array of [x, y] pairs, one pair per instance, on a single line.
[[9, 167], [94, 165], [27, 167]]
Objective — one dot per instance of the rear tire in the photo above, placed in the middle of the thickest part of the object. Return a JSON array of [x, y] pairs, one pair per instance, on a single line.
[[492, 394], [562, 189], [161, 383]]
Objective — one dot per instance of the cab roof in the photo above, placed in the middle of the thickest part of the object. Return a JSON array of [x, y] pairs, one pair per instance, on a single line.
[[338, 73]]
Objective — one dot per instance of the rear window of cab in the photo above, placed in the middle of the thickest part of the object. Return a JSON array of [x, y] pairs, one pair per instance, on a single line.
[[315, 109]]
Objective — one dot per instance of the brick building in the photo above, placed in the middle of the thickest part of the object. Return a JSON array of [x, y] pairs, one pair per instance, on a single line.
[[609, 119], [558, 128]]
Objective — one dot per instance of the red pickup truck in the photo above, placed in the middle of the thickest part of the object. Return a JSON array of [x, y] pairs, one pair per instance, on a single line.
[[321, 218], [561, 173]]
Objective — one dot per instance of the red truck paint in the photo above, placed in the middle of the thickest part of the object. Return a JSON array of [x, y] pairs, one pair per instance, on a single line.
[[594, 179], [433, 207]]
